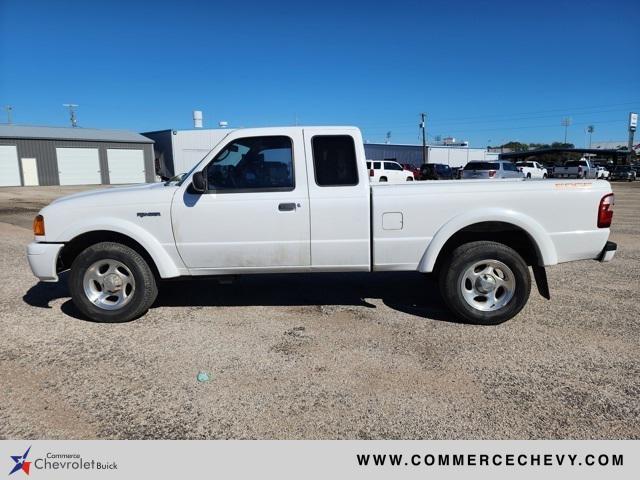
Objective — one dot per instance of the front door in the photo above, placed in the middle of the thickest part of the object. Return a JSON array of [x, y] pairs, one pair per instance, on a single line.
[[255, 214]]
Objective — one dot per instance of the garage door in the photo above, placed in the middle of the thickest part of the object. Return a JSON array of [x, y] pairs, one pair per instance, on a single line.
[[78, 166], [125, 166], [9, 169]]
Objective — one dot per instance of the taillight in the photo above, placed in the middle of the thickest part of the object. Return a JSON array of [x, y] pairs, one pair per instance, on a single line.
[[371, 172], [38, 226], [605, 211], [492, 173]]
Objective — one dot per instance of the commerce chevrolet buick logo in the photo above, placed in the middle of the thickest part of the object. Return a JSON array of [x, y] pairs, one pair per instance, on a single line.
[[21, 463]]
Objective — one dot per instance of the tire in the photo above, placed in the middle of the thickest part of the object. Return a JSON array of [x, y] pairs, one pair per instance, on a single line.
[[529, 176], [383, 179], [409, 179], [112, 265], [454, 282], [544, 176]]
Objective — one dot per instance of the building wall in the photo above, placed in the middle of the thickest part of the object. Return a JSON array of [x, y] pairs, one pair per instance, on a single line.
[[44, 151], [412, 154], [163, 151]]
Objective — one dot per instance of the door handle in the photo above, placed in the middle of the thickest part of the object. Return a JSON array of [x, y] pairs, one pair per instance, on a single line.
[[287, 207]]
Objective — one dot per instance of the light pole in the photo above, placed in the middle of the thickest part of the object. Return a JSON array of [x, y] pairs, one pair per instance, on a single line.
[[9, 109], [590, 130], [565, 122], [633, 124]]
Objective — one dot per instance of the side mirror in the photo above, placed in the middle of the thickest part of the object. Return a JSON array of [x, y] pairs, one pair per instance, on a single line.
[[198, 182]]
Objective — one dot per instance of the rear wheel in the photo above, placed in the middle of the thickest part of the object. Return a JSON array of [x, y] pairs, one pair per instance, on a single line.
[[485, 283], [544, 175], [383, 179], [110, 282], [409, 179], [529, 175]]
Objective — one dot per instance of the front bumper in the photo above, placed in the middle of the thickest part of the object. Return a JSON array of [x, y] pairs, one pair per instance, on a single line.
[[43, 259], [608, 252]]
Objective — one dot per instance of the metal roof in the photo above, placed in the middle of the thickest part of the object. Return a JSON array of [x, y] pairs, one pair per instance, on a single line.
[[545, 151], [68, 133]]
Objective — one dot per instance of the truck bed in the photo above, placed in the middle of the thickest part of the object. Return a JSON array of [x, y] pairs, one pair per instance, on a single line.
[[560, 215]]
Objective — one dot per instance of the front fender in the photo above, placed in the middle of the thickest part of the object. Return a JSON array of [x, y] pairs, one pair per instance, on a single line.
[[539, 235], [166, 266]]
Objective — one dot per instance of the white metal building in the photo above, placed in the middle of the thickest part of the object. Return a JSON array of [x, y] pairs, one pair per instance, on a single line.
[[454, 156], [176, 151]]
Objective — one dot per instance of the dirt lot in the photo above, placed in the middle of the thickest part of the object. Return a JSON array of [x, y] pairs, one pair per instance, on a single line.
[[321, 356]]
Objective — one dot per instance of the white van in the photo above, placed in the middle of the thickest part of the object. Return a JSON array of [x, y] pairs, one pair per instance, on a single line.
[[388, 171]]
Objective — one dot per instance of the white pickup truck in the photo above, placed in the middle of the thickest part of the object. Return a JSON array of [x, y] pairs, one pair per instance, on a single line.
[[298, 199], [582, 168]]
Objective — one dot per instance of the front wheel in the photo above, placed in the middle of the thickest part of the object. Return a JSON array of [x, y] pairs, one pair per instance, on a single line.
[[485, 283], [110, 282]]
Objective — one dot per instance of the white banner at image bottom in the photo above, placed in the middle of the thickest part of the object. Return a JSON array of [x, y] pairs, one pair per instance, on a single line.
[[321, 459]]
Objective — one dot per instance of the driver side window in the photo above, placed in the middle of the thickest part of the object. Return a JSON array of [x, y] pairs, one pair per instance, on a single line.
[[253, 163]]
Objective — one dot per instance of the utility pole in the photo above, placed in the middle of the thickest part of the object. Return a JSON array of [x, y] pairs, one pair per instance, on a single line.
[[72, 113], [388, 137], [565, 122], [424, 136], [9, 109]]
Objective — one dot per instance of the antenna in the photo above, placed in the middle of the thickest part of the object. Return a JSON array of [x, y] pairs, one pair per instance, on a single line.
[[72, 113], [9, 109]]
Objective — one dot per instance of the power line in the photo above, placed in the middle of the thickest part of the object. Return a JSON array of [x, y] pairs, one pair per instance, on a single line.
[[515, 116]]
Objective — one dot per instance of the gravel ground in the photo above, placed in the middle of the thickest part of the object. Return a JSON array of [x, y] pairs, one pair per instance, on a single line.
[[321, 356]]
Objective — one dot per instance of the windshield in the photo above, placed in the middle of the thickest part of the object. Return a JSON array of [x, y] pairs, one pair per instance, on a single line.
[[482, 166]]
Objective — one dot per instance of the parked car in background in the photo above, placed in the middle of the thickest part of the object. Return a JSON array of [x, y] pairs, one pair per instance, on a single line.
[[496, 169], [550, 166], [623, 172], [388, 172], [582, 168], [601, 172], [413, 169], [532, 169], [436, 171]]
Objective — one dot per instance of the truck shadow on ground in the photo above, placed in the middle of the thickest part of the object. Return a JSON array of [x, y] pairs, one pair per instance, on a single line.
[[408, 292]]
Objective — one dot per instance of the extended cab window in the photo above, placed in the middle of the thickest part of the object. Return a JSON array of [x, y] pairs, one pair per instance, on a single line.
[[334, 160], [253, 163]]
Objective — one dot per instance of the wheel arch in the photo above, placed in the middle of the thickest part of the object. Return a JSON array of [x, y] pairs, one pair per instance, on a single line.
[[142, 242], [517, 231]]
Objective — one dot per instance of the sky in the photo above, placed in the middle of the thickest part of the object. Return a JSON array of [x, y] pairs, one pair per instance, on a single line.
[[486, 72]]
